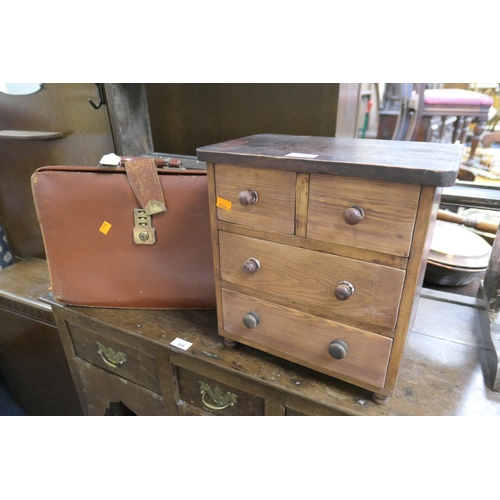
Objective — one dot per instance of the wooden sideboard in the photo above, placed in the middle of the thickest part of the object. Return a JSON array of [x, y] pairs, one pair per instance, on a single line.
[[444, 370]]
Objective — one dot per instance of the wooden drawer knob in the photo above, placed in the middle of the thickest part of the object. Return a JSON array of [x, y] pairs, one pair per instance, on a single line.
[[353, 215], [344, 290], [251, 319], [248, 197], [251, 265], [338, 349]]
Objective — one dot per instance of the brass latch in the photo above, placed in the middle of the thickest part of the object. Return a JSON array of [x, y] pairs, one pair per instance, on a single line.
[[144, 232]]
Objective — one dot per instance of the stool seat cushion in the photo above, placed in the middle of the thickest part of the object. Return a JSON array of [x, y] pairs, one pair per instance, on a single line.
[[456, 97]]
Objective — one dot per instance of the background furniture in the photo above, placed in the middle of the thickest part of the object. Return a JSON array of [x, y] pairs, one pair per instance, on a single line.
[[123, 363], [60, 124], [442, 115], [76, 124]]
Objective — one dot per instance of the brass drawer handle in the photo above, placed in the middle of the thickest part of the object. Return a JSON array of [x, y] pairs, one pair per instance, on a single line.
[[115, 360], [221, 401]]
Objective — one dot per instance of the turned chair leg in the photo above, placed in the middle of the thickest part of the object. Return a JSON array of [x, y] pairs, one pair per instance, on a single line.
[[478, 132]]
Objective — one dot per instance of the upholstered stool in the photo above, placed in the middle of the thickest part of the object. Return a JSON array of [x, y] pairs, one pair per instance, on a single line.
[[434, 112]]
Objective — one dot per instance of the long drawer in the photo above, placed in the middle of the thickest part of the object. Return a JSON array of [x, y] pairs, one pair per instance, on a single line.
[[311, 281], [306, 339]]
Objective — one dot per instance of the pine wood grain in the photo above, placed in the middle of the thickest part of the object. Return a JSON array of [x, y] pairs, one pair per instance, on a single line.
[[424, 229], [275, 208], [307, 278], [389, 213], [305, 339], [321, 246], [301, 204]]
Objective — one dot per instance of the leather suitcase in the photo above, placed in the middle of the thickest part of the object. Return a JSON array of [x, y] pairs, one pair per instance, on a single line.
[[136, 235]]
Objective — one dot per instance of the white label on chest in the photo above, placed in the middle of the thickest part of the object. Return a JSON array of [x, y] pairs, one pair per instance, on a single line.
[[301, 155], [181, 344]]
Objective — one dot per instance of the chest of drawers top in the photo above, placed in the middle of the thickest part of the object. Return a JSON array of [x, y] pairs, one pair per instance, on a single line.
[[422, 163]]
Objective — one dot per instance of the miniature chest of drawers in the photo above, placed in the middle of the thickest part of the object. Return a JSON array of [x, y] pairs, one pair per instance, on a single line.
[[320, 247]]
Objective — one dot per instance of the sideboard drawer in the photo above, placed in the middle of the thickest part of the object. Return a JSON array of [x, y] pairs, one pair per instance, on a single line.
[[320, 283], [217, 398], [381, 215], [274, 207], [306, 339], [139, 366]]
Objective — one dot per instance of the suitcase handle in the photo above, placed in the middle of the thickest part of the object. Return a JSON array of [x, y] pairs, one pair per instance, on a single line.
[[160, 162], [143, 178]]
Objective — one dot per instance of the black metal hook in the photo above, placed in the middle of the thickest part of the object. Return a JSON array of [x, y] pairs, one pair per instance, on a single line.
[[101, 97]]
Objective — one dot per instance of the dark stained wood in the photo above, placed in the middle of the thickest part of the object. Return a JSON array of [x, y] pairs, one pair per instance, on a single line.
[[31, 355], [444, 369], [185, 116], [471, 195], [127, 106], [189, 387], [137, 399], [61, 108], [394, 161]]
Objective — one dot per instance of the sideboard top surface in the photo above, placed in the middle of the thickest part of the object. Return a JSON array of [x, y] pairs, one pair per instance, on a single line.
[[423, 163]]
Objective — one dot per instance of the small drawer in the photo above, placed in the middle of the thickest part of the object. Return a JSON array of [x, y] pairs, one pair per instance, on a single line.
[[267, 197], [131, 363], [316, 282], [361, 356], [366, 214], [215, 397]]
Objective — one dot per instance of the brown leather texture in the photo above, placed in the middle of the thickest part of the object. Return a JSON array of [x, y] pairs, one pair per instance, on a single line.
[[86, 215], [143, 179]]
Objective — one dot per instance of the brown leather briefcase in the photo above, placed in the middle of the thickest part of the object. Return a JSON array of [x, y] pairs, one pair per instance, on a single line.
[[132, 236]]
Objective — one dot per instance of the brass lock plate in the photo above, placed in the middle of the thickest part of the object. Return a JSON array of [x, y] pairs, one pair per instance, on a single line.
[[144, 232]]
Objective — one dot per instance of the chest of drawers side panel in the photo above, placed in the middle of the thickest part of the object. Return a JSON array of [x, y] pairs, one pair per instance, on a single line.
[[422, 239], [212, 201]]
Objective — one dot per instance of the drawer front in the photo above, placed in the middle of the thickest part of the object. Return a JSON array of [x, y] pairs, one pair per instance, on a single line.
[[306, 339], [274, 209], [388, 213], [309, 280], [132, 364], [105, 393], [215, 397]]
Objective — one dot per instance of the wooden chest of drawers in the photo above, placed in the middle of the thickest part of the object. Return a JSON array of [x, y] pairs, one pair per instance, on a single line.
[[320, 247]]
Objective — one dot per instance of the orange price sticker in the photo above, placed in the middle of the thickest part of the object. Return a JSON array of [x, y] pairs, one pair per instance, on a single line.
[[224, 204], [105, 227]]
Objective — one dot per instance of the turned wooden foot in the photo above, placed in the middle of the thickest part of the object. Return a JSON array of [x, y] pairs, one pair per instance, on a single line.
[[380, 399], [230, 344]]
